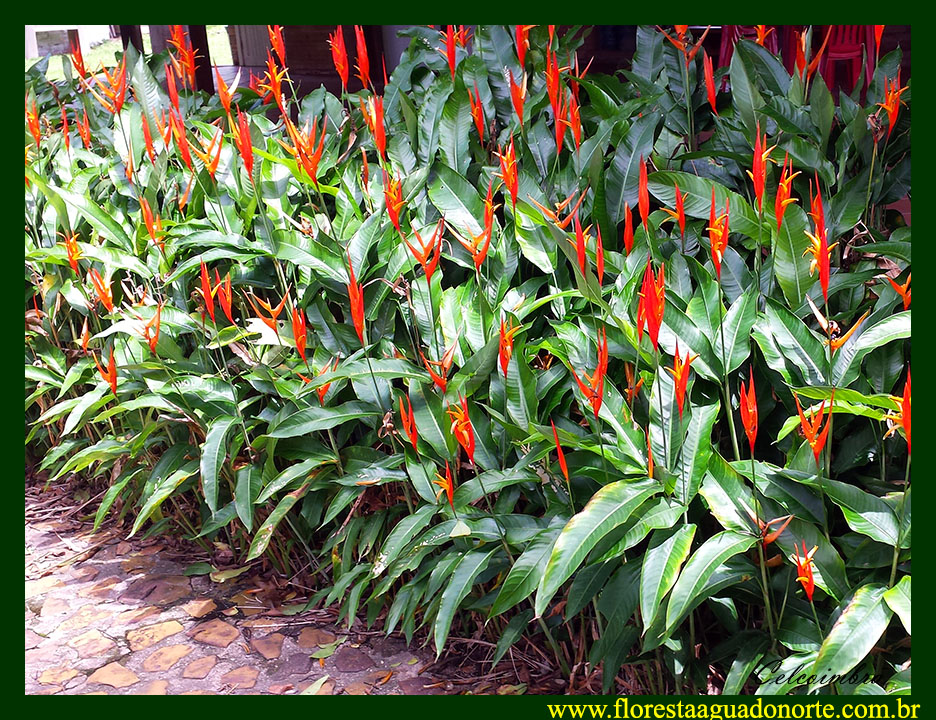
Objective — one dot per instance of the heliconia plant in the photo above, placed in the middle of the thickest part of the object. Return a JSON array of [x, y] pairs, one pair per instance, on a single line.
[[483, 342]]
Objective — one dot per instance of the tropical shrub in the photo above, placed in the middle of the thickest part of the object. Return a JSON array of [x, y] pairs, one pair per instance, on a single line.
[[619, 362]]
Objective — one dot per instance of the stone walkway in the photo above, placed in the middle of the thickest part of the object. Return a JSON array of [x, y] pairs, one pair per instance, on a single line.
[[105, 617]]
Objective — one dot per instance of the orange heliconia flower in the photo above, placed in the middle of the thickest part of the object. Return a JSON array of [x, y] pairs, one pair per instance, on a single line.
[[679, 41], [244, 143], [205, 154], [461, 426], [445, 364], [718, 233], [72, 249], [207, 292], [878, 32], [643, 194], [580, 242], [902, 290], [393, 198], [784, 190], [422, 254], [758, 172], [32, 120], [679, 214], [652, 304], [762, 33], [518, 93], [508, 170], [84, 129], [447, 485], [574, 122], [77, 60], [480, 244], [363, 64], [560, 207], [276, 41], [151, 330], [184, 64], [153, 223], [680, 373], [901, 418], [837, 342], [804, 569], [274, 312], [298, 319], [448, 52], [178, 132], [114, 91], [102, 289], [356, 296], [409, 421], [709, 81], [65, 130], [749, 410], [85, 336], [892, 102], [304, 148], [223, 291], [594, 389], [505, 349], [109, 375], [562, 460], [273, 82], [649, 455], [819, 246], [477, 111], [811, 427], [628, 230], [801, 54], [374, 117], [339, 55], [632, 389], [521, 33], [225, 92]]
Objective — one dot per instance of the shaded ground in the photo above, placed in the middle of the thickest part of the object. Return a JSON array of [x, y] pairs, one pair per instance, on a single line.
[[107, 616]]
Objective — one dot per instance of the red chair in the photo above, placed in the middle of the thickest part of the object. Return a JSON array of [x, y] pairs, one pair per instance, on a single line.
[[848, 44], [732, 33]]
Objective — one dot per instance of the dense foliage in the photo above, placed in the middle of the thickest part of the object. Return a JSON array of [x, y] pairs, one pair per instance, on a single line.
[[617, 361]]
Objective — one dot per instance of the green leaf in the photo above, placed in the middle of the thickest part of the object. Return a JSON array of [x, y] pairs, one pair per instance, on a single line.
[[99, 219], [697, 199], [898, 600], [737, 330], [744, 93], [265, 533], [246, 488], [463, 577], [703, 564], [311, 419], [454, 126], [162, 491], [213, 453], [696, 451], [856, 631], [790, 347], [621, 179], [865, 513], [512, 633], [667, 551], [791, 267], [402, 533], [749, 655], [456, 199], [847, 359], [608, 508], [526, 572]]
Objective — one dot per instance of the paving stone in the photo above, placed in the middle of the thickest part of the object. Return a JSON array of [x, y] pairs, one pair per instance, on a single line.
[[243, 678], [57, 675], [270, 646], [92, 644], [215, 632], [417, 686], [377, 677], [151, 550], [280, 688], [42, 585], [161, 590], [144, 637], [115, 675], [165, 658], [100, 590], [84, 573], [49, 690], [297, 664], [357, 688], [156, 687], [199, 669], [48, 653], [128, 617], [137, 564], [32, 639], [328, 687], [87, 615], [123, 547], [311, 637], [54, 606], [198, 692], [199, 607], [349, 659]]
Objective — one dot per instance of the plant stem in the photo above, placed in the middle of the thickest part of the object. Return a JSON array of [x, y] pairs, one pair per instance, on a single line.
[[763, 569], [728, 410], [903, 510]]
